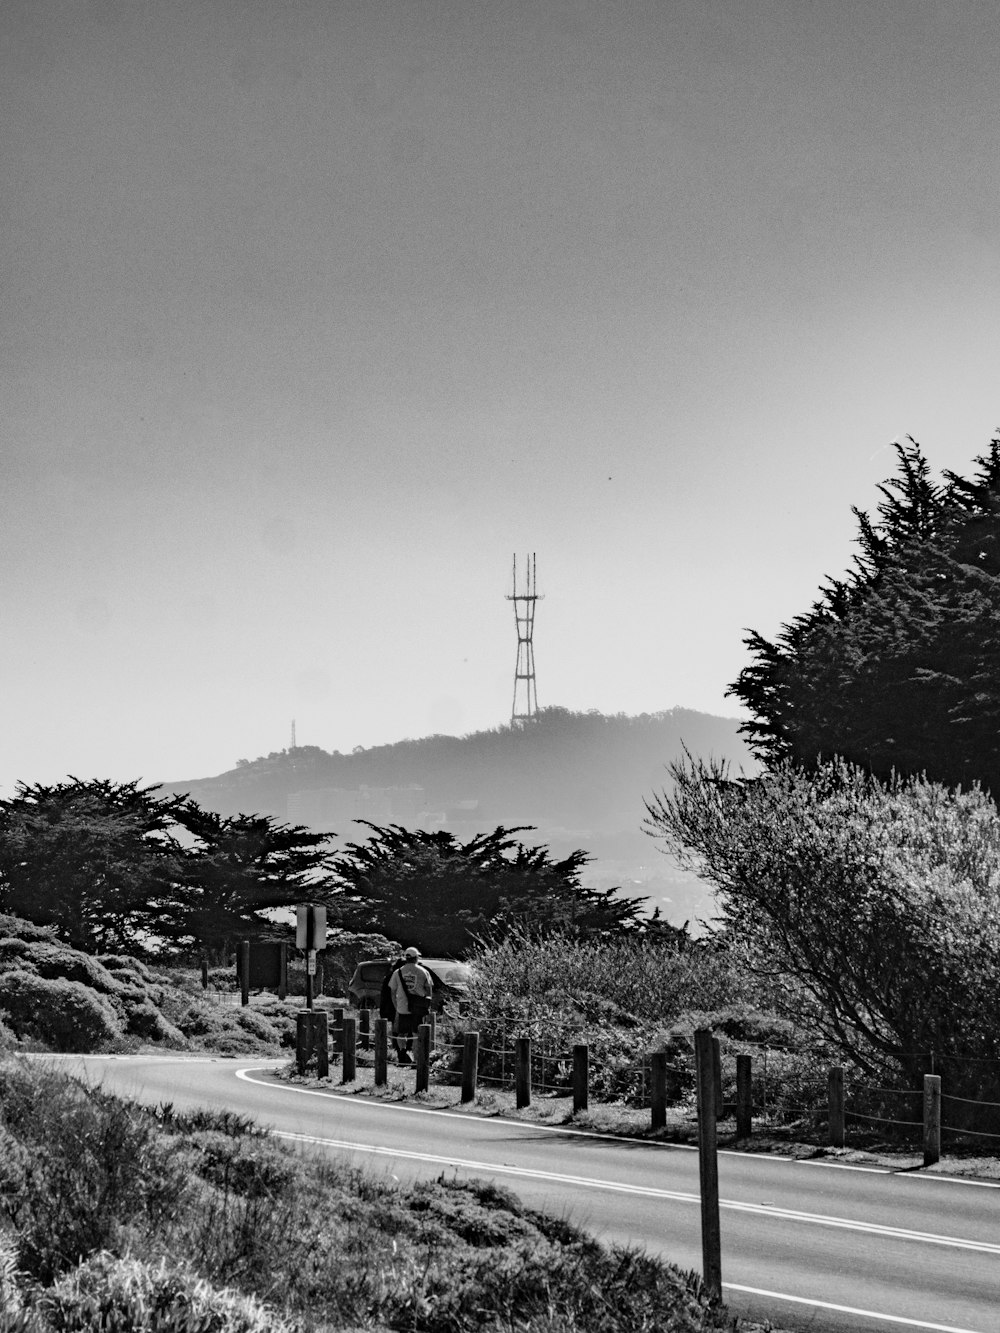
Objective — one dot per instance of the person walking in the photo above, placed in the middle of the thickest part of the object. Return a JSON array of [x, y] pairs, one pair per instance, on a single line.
[[411, 988]]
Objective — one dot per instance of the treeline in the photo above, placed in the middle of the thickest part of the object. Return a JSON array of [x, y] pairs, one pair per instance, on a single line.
[[119, 868]]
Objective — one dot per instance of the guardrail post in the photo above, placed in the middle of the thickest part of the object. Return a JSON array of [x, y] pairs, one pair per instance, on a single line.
[[365, 1028], [282, 970], [522, 1072], [932, 1119], [744, 1097], [350, 1071], [658, 1089], [312, 1035], [720, 1110], [708, 1164], [470, 1066], [381, 1052], [581, 1076], [835, 1099], [423, 1057], [338, 1031], [244, 965]]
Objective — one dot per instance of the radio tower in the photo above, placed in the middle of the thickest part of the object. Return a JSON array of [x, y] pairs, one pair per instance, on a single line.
[[524, 671]]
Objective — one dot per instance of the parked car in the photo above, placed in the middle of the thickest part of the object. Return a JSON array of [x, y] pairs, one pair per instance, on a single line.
[[450, 977]]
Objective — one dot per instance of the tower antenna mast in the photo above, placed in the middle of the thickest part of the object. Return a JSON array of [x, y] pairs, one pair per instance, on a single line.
[[525, 706]]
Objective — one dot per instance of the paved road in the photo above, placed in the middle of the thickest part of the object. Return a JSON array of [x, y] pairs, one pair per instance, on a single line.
[[807, 1245]]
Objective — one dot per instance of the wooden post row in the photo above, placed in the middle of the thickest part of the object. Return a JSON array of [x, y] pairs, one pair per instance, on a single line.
[[932, 1119], [470, 1066], [350, 1048], [244, 962], [835, 1100], [522, 1071], [744, 1097], [423, 1057], [708, 1163], [658, 1090], [581, 1077], [381, 1052]]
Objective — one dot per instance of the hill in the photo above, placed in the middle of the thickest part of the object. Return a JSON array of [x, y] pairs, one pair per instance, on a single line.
[[578, 778]]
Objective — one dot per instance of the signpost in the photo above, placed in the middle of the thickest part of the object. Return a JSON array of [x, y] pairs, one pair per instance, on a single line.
[[311, 1032], [310, 935]]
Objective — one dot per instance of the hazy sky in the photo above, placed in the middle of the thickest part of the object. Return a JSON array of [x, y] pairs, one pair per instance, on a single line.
[[315, 311]]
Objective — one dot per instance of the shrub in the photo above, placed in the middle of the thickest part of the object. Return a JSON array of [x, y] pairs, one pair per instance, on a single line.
[[89, 1169], [52, 960], [63, 1015], [250, 1166], [145, 1020], [106, 1294], [123, 963]]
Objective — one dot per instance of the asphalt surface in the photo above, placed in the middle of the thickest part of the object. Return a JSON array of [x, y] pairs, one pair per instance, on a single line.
[[808, 1245]]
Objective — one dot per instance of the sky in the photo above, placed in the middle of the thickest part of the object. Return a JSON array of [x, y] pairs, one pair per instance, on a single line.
[[316, 311]]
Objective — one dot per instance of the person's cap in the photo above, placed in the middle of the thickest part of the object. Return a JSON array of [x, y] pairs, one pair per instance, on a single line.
[[412, 953]]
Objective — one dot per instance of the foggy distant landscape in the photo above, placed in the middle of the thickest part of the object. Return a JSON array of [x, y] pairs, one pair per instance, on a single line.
[[578, 778]]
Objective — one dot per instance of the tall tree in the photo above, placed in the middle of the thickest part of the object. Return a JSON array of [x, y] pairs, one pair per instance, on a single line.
[[241, 868], [897, 666], [98, 860], [431, 890]]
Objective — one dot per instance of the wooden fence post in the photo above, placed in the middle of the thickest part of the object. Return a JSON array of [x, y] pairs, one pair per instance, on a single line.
[[312, 1035], [423, 1057], [338, 1031], [381, 1052], [470, 1066], [720, 1110], [708, 1164], [365, 1028], [522, 1071], [244, 965], [744, 1097], [350, 1044], [204, 974], [932, 1119], [835, 1100], [658, 1089], [581, 1077], [282, 970]]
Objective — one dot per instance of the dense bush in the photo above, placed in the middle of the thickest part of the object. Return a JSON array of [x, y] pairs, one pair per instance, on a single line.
[[624, 979], [622, 996], [63, 1015], [877, 906]]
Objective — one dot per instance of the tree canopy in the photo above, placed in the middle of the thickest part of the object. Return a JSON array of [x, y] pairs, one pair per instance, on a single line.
[[896, 667], [875, 905], [240, 868], [98, 860], [114, 867], [434, 891]]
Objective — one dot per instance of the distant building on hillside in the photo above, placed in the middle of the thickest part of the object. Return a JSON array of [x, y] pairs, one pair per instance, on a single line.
[[335, 808]]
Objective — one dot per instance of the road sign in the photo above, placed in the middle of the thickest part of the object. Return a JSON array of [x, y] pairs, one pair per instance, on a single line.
[[310, 926]]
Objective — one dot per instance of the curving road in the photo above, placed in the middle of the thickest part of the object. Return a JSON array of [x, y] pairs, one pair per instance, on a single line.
[[805, 1244]]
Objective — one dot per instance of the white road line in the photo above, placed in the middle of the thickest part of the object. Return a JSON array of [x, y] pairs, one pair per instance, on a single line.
[[648, 1191], [245, 1072], [849, 1309]]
